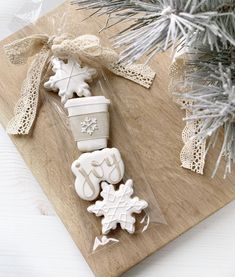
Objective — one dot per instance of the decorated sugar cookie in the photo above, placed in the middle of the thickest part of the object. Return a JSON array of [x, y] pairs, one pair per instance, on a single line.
[[89, 122], [117, 206], [92, 168], [70, 78]]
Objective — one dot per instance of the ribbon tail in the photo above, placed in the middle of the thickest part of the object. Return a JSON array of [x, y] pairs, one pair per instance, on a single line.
[[88, 46], [138, 73], [26, 108], [193, 153]]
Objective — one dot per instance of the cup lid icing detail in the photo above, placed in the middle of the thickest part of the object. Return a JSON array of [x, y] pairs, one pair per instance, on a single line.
[[92, 100]]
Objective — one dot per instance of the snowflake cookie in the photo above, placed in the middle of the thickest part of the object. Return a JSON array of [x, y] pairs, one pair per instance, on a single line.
[[70, 78], [117, 206]]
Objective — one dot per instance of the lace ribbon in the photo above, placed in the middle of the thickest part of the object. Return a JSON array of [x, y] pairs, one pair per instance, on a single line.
[[43, 47], [193, 153]]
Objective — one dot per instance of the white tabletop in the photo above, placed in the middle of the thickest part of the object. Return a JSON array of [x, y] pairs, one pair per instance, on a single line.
[[34, 242]]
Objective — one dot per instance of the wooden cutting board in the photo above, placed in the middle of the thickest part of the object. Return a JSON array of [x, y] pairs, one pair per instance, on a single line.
[[154, 126]]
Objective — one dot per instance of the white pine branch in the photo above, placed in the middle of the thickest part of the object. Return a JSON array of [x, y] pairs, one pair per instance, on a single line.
[[156, 25]]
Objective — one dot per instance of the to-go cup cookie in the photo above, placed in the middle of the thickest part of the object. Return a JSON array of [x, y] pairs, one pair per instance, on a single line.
[[89, 121]]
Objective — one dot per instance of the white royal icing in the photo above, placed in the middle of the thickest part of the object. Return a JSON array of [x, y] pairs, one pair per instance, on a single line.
[[117, 207], [92, 168], [70, 78]]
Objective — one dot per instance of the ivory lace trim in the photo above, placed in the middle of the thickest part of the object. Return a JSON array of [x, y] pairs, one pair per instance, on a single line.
[[26, 107], [193, 153], [42, 47], [88, 46]]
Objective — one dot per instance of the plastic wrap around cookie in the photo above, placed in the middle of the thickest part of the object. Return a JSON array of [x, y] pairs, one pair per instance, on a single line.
[[80, 74], [118, 207]]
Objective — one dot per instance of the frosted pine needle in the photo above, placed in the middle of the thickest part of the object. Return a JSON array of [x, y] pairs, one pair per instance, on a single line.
[[207, 28], [156, 25], [211, 92]]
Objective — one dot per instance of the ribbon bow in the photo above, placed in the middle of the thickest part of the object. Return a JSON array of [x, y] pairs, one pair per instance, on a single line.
[[86, 47]]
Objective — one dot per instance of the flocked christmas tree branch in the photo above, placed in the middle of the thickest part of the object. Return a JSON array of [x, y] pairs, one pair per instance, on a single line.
[[205, 29], [156, 25], [210, 90]]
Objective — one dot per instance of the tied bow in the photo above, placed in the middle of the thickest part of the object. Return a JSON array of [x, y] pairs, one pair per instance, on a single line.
[[42, 47]]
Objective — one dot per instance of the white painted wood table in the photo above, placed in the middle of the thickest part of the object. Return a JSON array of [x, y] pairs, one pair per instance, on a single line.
[[34, 243]]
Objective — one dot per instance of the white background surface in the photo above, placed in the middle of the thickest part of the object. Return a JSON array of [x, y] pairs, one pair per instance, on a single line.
[[34, 243]]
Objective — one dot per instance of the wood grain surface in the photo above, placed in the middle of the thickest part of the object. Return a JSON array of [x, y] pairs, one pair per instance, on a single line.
[[154, 125]]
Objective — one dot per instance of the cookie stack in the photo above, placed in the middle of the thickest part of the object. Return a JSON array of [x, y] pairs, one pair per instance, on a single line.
[[99, 168]]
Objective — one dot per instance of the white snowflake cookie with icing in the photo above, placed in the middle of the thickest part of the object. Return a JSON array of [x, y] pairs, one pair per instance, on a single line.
[[70, 78], [92, 168], [117, 207]]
